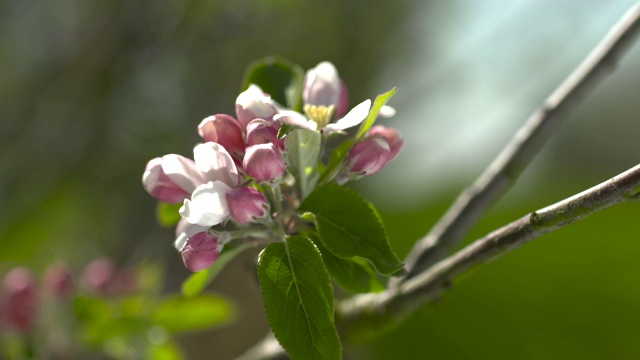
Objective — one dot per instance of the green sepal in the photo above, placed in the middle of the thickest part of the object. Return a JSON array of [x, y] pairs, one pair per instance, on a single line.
[[380, 101], [303, 149]]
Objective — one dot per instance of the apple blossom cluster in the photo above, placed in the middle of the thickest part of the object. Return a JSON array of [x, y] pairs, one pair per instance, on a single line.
[[245, 182]]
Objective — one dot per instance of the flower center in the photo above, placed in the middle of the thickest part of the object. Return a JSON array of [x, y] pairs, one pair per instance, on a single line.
[[320, 114]]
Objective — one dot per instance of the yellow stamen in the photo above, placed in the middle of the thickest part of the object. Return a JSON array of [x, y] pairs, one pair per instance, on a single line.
[[320, 114]]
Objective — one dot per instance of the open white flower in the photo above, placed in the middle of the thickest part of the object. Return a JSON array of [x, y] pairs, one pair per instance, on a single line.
[[208, 204]]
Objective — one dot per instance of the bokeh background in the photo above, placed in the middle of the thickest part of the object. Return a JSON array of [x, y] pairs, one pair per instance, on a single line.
[[91, 90]]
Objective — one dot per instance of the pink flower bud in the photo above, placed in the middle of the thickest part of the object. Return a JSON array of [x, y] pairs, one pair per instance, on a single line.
[[369, 156], [264, 162], [391, 136], [254, 103], [98, 275], [201, 251], [261, 131], [246, 205], [224, 130], [19, 288], [58, 282], [343, 101], [167, 187]]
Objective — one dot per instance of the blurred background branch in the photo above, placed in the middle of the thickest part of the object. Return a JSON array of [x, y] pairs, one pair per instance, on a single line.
[[503, 172], [371, 314]]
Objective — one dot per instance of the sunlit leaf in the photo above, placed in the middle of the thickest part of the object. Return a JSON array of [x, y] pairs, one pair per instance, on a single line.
[[349, 226], [298, 299], [380, 101], [354, 275]]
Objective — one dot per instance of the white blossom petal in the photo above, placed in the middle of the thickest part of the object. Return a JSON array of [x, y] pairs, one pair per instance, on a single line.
[[294, 118], [208, 204], [387, 111], [182, 171], [353, 117], [216, 164], [254, 103], [181, 241], [322, 85]]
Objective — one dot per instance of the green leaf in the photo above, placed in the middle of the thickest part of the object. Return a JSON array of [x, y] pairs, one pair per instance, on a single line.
[[165, 351], [167, 214], [279, 78], [298, 299], [354, 275], [103, 320], [349, 226], [177, 314], [198, 281], [303, 147], [380, 101]]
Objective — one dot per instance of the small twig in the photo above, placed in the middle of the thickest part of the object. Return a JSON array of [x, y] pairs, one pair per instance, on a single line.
[[367, 311], [504, 170]]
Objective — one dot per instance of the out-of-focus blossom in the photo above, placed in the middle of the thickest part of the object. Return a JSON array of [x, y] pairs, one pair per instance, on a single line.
[[264, 162], [101, 277], [20, 299], [125, 281], [247, 205], [368, 156], [201, 251], [58, 281], [224, 130], [98, 275], [253, 103]]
